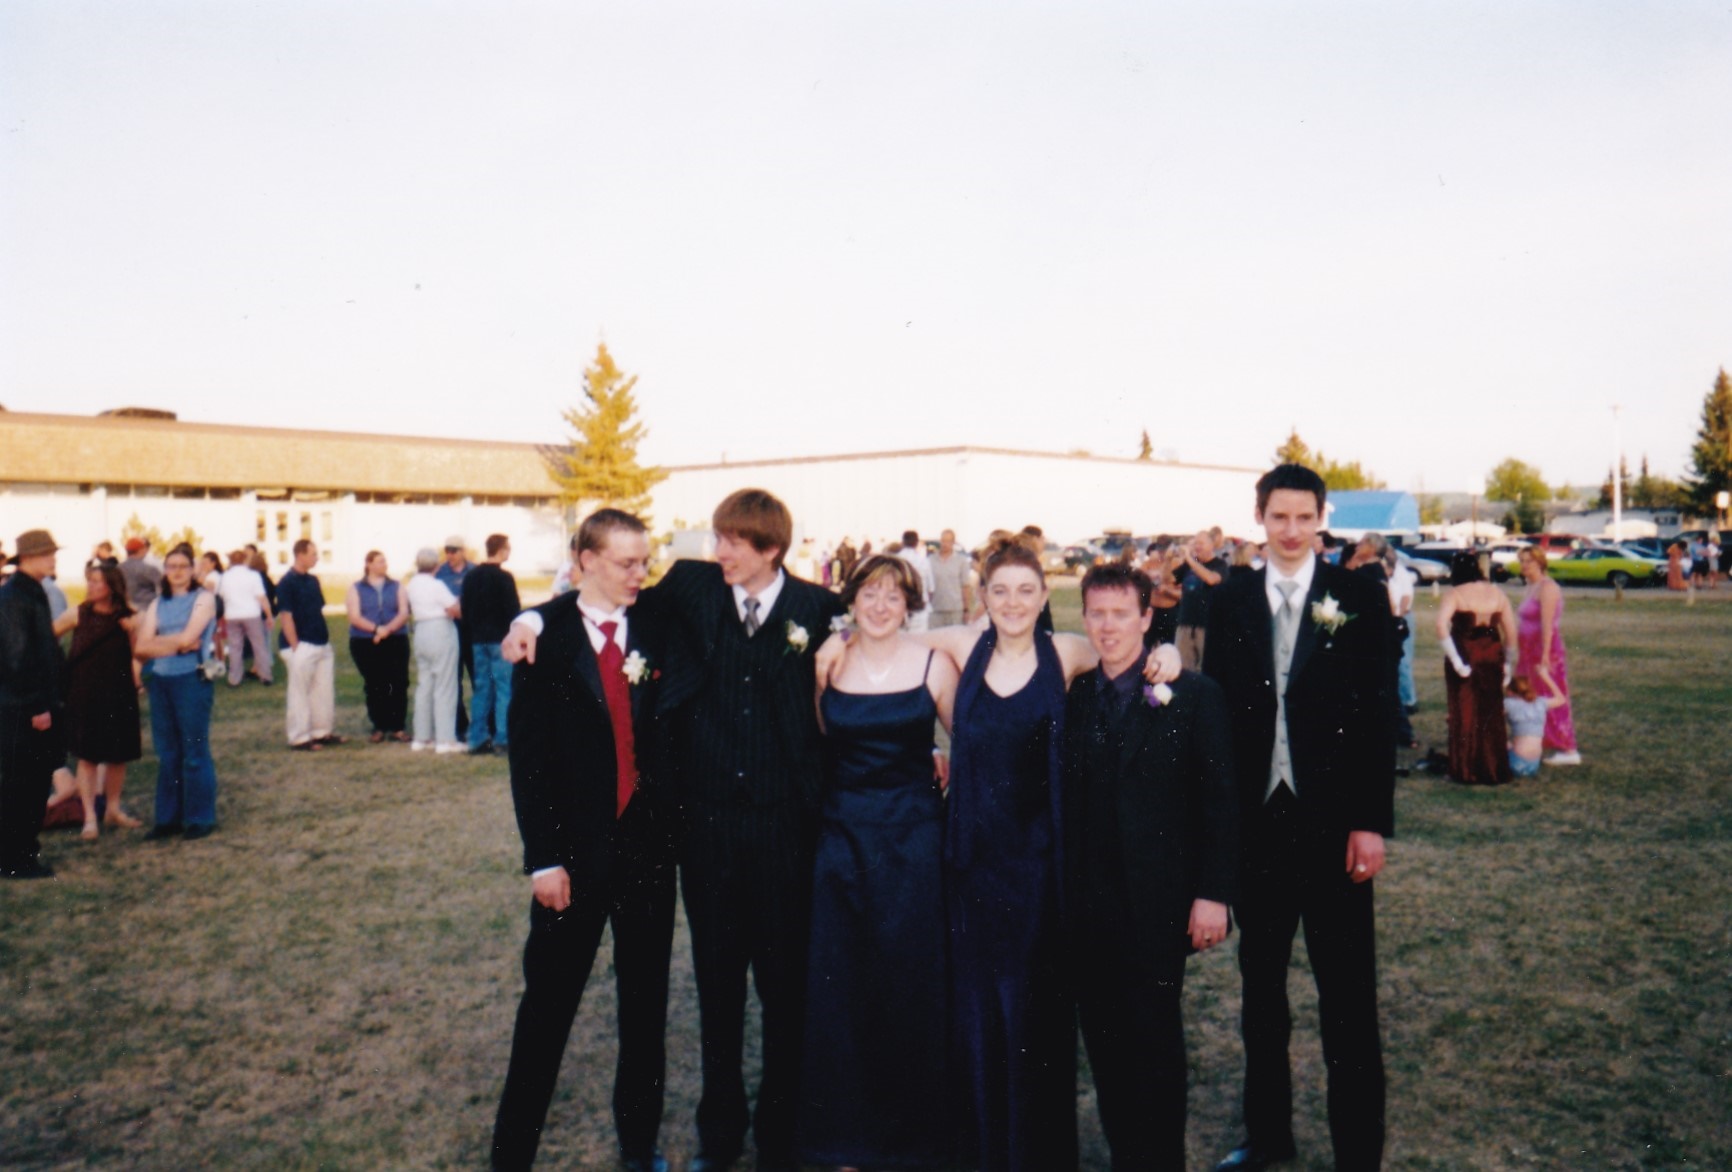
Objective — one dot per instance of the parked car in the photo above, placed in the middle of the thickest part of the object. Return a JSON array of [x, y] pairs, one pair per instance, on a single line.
[[1078, 559], [1053, 560], [1649, 547], [1554, 544], [1603, 564], [1425, 569]]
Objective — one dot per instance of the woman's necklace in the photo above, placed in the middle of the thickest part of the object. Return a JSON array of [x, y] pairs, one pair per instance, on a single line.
[[877, 677]]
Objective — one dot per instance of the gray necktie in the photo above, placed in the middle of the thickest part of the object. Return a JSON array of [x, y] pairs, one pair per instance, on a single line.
[[751, 615], [1286, 635]]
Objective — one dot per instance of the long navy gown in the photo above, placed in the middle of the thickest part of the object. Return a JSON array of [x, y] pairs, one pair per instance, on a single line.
[[1014, 1023], [877, 1090]]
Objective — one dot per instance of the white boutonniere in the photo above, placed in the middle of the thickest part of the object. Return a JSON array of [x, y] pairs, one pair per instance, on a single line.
[[797, 637], [1157, 695], [636, 668], [1328, 615]]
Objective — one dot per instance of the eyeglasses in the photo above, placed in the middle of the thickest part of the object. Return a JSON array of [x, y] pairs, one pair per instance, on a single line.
[[628, 566]]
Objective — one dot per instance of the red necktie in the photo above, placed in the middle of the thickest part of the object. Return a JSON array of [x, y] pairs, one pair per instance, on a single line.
[[617, 692]]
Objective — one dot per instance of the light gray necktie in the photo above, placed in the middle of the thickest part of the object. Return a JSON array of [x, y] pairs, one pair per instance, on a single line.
[[751, 615], [1286, 635]]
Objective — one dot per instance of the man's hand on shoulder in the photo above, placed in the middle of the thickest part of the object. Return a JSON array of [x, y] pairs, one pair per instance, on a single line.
[[553, 889], [1163, 665], [519, 642], [1364, 855]]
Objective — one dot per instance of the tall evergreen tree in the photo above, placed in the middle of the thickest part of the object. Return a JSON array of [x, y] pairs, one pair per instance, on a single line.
[[1711, 455], [599, 467]]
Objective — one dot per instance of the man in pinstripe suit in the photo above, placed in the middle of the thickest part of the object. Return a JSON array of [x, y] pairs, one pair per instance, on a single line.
[[744, 762]]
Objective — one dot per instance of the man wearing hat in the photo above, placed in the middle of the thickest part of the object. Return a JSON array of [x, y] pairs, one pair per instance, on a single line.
[[30, 669], [143, 580]]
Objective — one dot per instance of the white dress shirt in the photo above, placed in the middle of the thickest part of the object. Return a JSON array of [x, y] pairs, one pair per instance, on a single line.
[[766, 598], [1271, 575]]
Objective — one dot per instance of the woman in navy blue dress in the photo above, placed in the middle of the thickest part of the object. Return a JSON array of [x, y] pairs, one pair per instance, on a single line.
[[877, 1090]]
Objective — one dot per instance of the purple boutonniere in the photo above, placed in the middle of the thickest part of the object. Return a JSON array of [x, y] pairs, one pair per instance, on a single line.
[[1157, 695]]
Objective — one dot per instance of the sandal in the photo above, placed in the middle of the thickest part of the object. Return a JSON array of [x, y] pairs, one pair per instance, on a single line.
[[306, 747], [377, 737], [401, 736], [333, 739]]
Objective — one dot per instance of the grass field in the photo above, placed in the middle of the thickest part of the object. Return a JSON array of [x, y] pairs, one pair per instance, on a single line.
[[329, 981]]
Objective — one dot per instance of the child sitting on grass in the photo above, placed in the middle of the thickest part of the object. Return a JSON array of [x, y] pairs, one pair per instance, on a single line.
[[1526, 712]]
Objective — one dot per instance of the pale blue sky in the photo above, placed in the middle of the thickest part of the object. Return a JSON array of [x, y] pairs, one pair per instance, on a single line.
[[1431, 235]]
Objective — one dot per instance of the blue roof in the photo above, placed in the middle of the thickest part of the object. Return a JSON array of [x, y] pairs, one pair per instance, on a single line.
[[1386, 512]]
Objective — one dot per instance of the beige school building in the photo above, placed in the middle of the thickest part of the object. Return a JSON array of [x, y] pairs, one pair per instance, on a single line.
[[87, 477]]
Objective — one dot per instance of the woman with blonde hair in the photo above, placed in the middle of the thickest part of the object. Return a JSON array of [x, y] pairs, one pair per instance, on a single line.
[[1543, 657]]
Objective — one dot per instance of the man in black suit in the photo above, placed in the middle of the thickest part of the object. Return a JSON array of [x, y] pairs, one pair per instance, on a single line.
[[1301, 649], [597, 841], [741, 737], [1151, 854]]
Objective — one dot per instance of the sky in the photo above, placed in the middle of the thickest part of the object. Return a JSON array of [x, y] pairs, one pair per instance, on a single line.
[[1428, 235]]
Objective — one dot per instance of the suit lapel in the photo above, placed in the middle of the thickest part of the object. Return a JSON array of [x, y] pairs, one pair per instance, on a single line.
[[1261, 623], [584, 664], [1307, 638], [635, 644]]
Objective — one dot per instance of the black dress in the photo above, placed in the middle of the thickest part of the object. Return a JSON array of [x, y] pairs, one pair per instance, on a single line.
[[876, 1089], [101, 699]]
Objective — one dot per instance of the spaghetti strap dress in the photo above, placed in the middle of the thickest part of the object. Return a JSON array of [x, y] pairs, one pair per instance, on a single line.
[[1014, 1023], [1560, 725], [877, 1090]]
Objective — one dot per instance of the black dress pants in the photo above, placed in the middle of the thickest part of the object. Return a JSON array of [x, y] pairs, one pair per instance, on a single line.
[[1295, 873], [556, 965], [1134, 1029], [384, 668], [746, 875], [28, 757]]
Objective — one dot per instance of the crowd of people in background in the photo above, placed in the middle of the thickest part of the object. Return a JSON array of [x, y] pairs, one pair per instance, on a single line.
[[448, 617]]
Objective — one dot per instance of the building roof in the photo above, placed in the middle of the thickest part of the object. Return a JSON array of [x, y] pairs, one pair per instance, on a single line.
[[1383, 512], [127, 449]]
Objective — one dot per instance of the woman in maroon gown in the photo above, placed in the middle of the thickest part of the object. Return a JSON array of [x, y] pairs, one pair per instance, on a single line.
[[1478, 633]]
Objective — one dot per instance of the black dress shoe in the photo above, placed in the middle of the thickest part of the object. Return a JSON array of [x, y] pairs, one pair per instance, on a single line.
[[1251, 1157], [654, 1162]]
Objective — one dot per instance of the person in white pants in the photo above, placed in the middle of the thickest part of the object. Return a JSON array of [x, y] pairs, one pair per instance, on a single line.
[[307, 653], [433, 607], [248, 613]]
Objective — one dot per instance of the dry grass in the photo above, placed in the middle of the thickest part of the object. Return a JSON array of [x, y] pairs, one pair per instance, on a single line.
[[329, 981]]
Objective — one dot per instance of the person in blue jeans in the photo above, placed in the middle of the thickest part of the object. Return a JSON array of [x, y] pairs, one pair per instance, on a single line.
[[489, 603], [176, 635]]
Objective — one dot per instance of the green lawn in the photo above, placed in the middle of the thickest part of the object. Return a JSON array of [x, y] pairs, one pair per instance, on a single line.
[[329, 981]]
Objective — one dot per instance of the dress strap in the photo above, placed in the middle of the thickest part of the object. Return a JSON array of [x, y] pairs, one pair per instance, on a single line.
[[925, 675]]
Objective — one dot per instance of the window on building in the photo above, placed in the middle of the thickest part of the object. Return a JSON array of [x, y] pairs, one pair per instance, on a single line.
[[306, 526], [282, 530], [325, 528]]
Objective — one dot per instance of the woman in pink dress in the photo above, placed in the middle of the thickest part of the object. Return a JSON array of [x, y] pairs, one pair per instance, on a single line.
[[1542, 653]]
